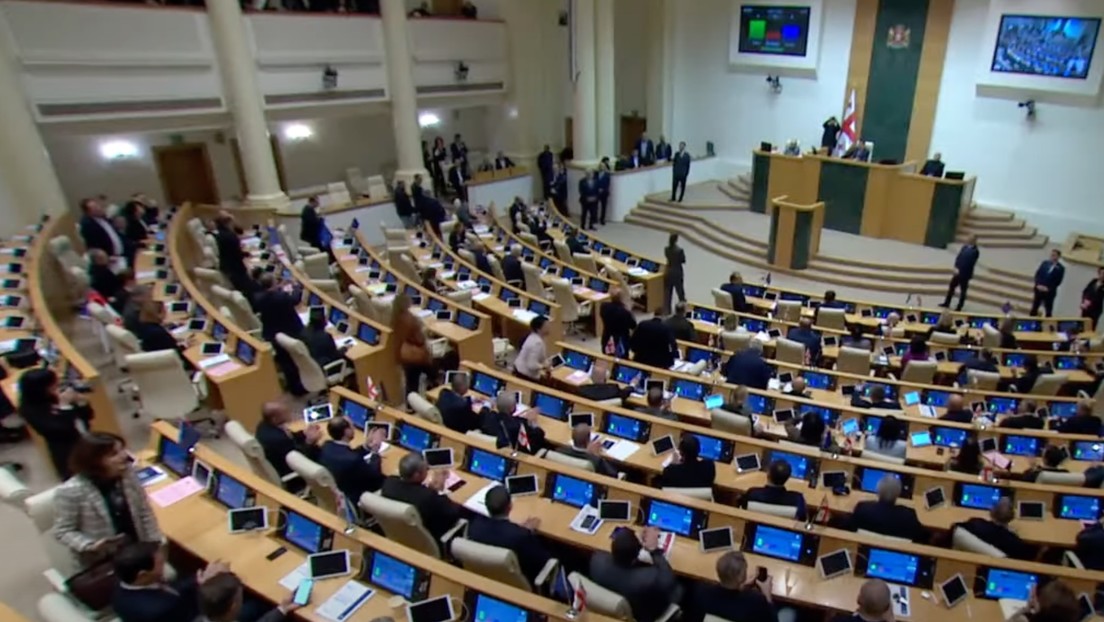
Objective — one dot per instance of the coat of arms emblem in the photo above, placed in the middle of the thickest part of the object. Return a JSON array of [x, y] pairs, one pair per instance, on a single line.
[[898, 37]]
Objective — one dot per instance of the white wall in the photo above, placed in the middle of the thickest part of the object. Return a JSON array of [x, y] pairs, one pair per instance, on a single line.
[[1048, 171], [737, 110]]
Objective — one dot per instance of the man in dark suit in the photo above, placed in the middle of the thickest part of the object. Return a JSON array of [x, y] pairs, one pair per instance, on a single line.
[[403, 206], [455, 405], [645, 148], [320, 343], [884, 516], [416, 486], [748, 368], [502, 424], [803, 333], [933, 167], [877, 398], [652, 343], [277, 440], [1027, 417], [1047, 279], [965, 262], [875, 604], [633, 161], [458, 180], [231, 256], [588, 201], [735, 288], [458, 150], [775, 492], [511, 267], [559, 190], [1090, 546], [602, 178], [600, 389], [680, 168], [144, 595], [663, 149], [498, 530], [1053, 457], [687, 468], [97, 231], [737, 598], [681, 327], [590, 450], [957, 411], [995, 531], [278, 314], [310, 224], [858, 151], [101, 277], [221, 599], [983, 361], [1083, 422], [648, 588], [356, 471], [575, 246], [501, 162], [546, 164]]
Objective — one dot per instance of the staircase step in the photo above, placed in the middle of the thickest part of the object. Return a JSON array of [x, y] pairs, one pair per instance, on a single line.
[[993, 225], [1026, 233], [987, 213], [734, 193]]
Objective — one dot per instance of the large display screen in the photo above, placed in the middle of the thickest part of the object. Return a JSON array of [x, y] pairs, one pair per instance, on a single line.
[[780, 30], [1056, 47]]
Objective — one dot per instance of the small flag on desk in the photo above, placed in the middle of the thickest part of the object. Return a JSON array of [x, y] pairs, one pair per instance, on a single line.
[[767, 278], [372, 390], [823, 513], [611, 349], [523, 438], [355, 224], [579, 602], [1006, 308]]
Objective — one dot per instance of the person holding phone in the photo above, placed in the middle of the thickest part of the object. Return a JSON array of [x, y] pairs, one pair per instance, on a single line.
[[57, 414], [648, 588], [738, 597], [221, 598]]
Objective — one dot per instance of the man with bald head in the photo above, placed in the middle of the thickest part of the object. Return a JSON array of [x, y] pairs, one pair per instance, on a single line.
[[505, 427], [583, 448], [875, 604], [600, 388], [884, 516], [996, 531], [277, 439], [418, 486], [957, 411]]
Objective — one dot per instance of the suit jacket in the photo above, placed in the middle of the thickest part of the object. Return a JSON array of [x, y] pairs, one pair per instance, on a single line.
[[456, 176], [966, 261], [82, 516], [353, 474], [403, 205], [277, 443], [588, 191], [575, 246], [698, 474], [933, 168], [501, 163], [748, 368], [456, 412], [658, 411], [501, 532], [511, 269], [809, 337], [1090, 547], [321, 345], [1077, 424], [998, 536], [601, 465], [231, 257], [57, 427], [546, 164], [745, 605], [278, 314], [653, 344], [663, 151], [94, 234], [889, 520], [103, 280], [681, 328], [958, 416], [310, 227], [617, 324], [649, 589], [739, 300], [646, 150], [505, 429], [274, 615], [1022, 422], [458, 151], [1051, 278], [777, 495], [680, 165], [175, 602], [602, 178], [438, 512]]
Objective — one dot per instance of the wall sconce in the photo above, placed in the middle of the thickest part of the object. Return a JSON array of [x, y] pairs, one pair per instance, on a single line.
[[118, 150], [428, 119], [298, 131]]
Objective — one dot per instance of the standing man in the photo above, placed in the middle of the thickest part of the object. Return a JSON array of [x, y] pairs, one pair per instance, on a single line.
[[588, 200], [459, 152], [963, 271], [559, 189], [545, 164], [404, 206], [663, 149], [603, 179], [645, 148], [680, 166], [1047, 279]]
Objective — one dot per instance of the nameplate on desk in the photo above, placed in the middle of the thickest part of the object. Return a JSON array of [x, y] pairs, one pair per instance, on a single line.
[[577, 377], [345, 601], [927, 411], [212, 361]]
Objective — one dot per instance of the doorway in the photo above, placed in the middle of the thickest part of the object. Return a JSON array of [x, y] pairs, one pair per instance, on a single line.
[[631, 129], [186, 174]]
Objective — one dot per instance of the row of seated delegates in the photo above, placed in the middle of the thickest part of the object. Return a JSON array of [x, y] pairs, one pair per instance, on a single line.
[[529, 219], [119, 234]]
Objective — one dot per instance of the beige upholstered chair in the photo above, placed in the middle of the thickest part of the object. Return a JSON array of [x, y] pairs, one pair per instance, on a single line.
[[853, 361], [123, 344], [206, 278], [533, 283], [834, 319], [165, 390], [1048, 384], [610, 603], [874, 534], [319, 480], [255, 455], [571, 310], [12, 489], [1059, 478], [462, 297], [789, 351], [871, 454], [945, 339], [990, 337], [563, 252], [381, 311], [963, 540], [774, 509], [721, 299], [635, 290], [54, 607], [423, 408], [316, 266], [733, 423], [919, 372], [314, 377], [404, 264], [788, 310], [329, 287], [499, 565], [402, 523], [982, 380], [360, 301], [62, 564], [703, 493], [496, 268], [394, 238], [735, 340], [585, 261], [571, 461]]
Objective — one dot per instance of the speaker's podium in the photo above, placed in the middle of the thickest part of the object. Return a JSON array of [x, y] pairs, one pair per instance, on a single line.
[[794, 233], [876, 200]]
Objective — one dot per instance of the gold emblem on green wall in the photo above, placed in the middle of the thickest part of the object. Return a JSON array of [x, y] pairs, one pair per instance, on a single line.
[[898, 38]]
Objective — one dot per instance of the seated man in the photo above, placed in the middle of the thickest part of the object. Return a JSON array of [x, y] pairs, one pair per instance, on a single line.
[[600, 388], [591, 451], [934, 166], [775, 492], [100, 275], [1083, 422], [798, 387], [415, 485], [748, 368], [996, 532], [687, 470], [884, 516], [455, 405], [875, 604], [648, 588], [983, 361], [320, 344], [277, 439], [657, 405], [804, 334], [735, 288], [1090, 547], [498, 530], [739, 597], [506, 427], [1053, 457], [356, 471], [877, 399], [511, 267], [679, 326], [856, 339], [957, 411], [575, 246], [1027, 417], [221, 599], [144, 595]]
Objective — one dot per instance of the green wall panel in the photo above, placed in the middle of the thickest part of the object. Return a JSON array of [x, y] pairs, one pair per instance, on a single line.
[[760, 177], [772, 240], [943, 221], [803, 230], [843, 190], [891, 85]]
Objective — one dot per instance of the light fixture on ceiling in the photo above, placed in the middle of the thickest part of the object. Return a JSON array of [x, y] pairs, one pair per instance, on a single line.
[[298, 131], [428, 119], [118, 150]]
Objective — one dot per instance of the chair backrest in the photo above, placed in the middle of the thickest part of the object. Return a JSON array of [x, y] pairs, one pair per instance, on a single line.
[[709, 617], [789, 351], [562, 251], [854, 361], [696, 369], [321, 482], [585, 261], [774, 509], [423, 407], [242, 312], [875, 534], [123, 343], [485, 438], [290, 244], [571, 461], [832, 318], [400, 522], [404, 264], [617, 276], [360, 300], [1048, 384], [1060, 479], [532, 275], [721, 298], [220, 295], [496, 268], [492, 562], [946, 339], [601, 600], [310, 372], [529, 238], [727, 421], [164, 388], [919, 372], [788, 310], [990, 337], [79, 280], [54, 607], [394, 237], [963, 540], [736, 340], [562, 294], [12, 489], [463, 297], [317, 266], [381, 310], [104, 314], [206, 278], [252, 450], [705, 493], [43, 511], [466, 255], [330, 287], [874, 455], [982, 380]]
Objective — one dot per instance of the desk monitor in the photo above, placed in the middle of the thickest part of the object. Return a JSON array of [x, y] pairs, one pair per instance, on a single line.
[[488, 464], [760, 404], [792, 546], [415, 438], [1032, 510], [328, 564], [955, 175], [675, 518], [305, 533], [318, 413], [867, 478], [799, 465], [487, 384], [174, 456], [358, 414], [715, 449], [895, 566], [368, 333], [230, 492], [688, 389], [522, 485], [572, 491], [954, 590], [938, 399], [550, 406], [818, 380], [242, 520], [1020, 445], [1062, 410], [1077, 507], [1088, 450], [484, 608], [949, 437], [577, 360], [997, 583], [716, 539], [979, 496], [627, 373], [663, 445], [630, 428], [437, 609], [245, 352]]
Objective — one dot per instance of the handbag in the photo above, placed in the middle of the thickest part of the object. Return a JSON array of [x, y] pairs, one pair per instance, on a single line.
[[94, 586], [413, 354]]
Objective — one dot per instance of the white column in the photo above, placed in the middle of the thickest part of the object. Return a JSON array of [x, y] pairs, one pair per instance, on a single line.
[[605, 83], [243, 93], [658, 86], [404, 99], [521, 116], [31, 185], [584, 123]]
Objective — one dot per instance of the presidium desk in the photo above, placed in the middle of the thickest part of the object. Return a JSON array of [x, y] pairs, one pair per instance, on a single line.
[[874, 200]]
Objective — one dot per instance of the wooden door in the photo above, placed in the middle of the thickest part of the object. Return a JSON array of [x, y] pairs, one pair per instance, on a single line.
[[447, 7], [186, 174], [239, 166], [631, 129]]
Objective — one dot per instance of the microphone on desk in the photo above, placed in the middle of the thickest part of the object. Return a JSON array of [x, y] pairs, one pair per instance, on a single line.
[[513, 448]]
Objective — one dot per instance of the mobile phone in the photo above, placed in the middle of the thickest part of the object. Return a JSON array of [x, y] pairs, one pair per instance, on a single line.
[[762, 576], [274, 554], [303, 592]]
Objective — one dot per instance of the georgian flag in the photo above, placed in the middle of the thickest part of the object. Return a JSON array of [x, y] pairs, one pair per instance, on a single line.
[[523, 438], [578, 603], [847, 135], [373, 391]]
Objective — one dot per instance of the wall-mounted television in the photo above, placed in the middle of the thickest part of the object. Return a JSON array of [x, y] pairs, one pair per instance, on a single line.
[[1054, 47], [772, 29]]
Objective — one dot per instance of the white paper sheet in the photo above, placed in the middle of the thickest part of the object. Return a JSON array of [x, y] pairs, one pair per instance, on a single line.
[[345, 601]]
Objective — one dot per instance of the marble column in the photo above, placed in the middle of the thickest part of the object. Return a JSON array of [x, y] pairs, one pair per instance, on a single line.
[[404, 98], [584, 123], [605, 82]]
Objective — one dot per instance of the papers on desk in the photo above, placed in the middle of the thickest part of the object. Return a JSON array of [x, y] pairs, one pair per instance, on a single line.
[[375, 288], [437, 265], [295, 577], [1061, 336], [304, 317], [448, 274], [523, 315], [1010, 606], [422, 313], [900, 595], [622, 449], [345, 601], [466, 285], [146, 275], [180, 331], [345, 342], [9, 345], [637, 271], [175, 492], [774, 385], [762, 336], [480, 296], [363, 269], [222, 370], [478, 502], [481, 229], [927, 411], [577, 377], [581, 290], [586, 521], [212, 361], [998, 459]]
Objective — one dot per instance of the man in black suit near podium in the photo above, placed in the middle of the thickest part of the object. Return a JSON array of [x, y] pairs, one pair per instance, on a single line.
[[965, 263], [1047, 279], [680, 167]]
